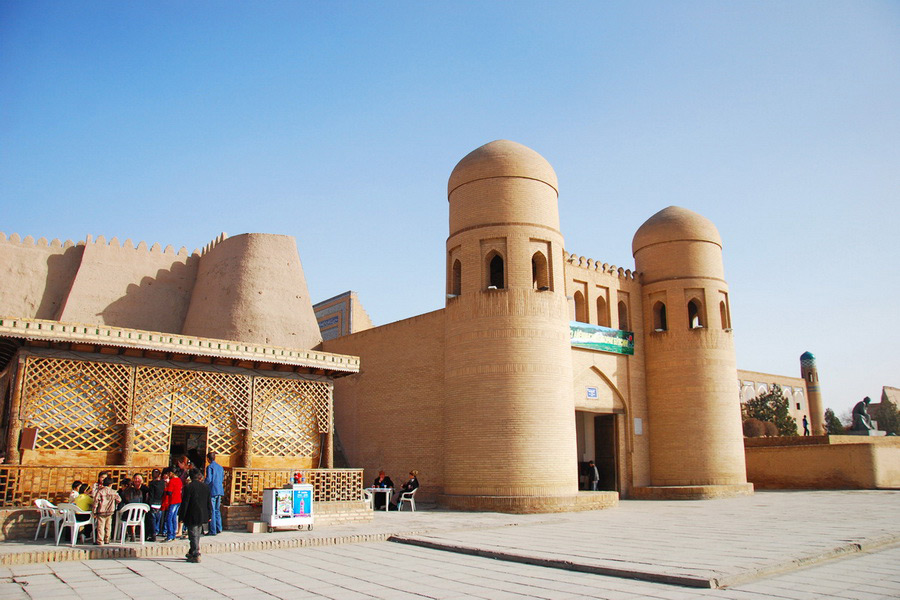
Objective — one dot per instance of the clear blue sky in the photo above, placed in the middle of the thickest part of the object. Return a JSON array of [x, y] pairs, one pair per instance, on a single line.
[[339, 123]]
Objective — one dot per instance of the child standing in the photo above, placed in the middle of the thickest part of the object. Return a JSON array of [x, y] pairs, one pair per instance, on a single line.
[[171, 502], [105, 502]]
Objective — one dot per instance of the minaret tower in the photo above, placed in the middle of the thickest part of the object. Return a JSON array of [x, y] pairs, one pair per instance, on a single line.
[[509, 421], [810, 375], [694, 419]]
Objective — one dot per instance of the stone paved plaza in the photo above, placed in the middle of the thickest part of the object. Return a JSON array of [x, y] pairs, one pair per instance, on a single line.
[[796, 545]]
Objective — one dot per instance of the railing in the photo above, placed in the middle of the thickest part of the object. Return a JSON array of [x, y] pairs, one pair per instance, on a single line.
[[245, 486], [22, 485]]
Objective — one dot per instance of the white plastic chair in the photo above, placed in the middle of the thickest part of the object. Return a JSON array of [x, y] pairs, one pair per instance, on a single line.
[[131, 515], [68, 517], [368, 496], [408, 497], [48, 515]]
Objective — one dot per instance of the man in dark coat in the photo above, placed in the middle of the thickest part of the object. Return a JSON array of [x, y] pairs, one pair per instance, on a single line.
[[194, 511]]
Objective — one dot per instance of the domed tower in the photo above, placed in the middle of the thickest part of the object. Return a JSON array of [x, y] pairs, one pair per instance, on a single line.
[[694, 420], [810, 375], [509, 419]]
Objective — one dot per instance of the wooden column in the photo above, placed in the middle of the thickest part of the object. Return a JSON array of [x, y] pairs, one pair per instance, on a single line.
[[328, 450], [329, 431], [247, 449], [127, 444], [13, 455]]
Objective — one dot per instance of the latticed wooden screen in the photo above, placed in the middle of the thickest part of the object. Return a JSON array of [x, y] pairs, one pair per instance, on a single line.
[[288, 415], [81, 405], [77, 405], [163, 397], [329, 485]]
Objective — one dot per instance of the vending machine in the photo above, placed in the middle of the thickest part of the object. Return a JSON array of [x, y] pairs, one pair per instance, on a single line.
[[289, 507]]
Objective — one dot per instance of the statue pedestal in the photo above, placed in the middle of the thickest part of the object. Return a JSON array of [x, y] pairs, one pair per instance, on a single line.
[[868, 432]]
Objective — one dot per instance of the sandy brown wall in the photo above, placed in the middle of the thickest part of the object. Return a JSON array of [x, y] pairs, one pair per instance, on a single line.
[[131, 287], [393, 419], [35, 277], [869, 464]]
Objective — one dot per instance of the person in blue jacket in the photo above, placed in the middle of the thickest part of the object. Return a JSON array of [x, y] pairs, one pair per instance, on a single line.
[[215, 476]]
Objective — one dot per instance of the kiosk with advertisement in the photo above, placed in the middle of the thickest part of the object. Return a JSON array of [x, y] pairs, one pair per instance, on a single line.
[[288, 507]]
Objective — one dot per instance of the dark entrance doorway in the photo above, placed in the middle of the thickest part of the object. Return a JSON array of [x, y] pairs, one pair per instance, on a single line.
[[189, 440], [605, 432]]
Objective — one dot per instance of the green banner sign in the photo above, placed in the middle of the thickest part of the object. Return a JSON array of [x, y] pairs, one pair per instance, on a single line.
[[605, 339]]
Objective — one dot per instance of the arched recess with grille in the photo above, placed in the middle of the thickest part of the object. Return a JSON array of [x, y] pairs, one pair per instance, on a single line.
[[76, 405], [164, 397], [288, 417]]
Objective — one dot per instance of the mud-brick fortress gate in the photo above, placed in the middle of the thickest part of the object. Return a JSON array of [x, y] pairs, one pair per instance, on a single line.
[[116, 357]]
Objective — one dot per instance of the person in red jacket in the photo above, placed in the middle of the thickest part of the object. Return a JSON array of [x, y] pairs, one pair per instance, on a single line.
[[171, 502]]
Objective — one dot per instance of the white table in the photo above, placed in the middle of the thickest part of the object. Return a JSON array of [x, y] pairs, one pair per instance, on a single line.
[[387, 494]]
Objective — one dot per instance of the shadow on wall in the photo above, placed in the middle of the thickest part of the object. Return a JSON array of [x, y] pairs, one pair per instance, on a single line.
[[61, 270], [158, 303]]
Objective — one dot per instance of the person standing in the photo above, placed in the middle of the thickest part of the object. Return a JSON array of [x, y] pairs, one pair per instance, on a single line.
[[805, 425], [593, 475], [105, 502], [215, 477], [155, 494], [171, 502], [194, 511]]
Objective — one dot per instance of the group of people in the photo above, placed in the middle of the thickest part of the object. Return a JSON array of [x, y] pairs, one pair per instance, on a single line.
[[383, 481], [182, 499]]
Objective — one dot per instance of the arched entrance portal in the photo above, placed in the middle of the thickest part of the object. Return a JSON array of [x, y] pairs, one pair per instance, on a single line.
[[600, 421], [598, 440]]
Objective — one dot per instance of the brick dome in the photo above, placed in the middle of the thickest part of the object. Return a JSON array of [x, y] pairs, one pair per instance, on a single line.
[[502, 158], [675, 224]]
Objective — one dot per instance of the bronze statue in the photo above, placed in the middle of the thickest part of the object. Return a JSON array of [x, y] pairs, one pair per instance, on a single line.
[[861, 419]]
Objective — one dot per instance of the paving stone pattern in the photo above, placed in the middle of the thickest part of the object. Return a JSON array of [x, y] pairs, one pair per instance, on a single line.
[[666, 537]]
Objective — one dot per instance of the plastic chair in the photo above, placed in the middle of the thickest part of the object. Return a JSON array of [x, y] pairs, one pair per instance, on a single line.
[[368, 496], [131, 515], [408, 497], [68, 518], [49, 515]]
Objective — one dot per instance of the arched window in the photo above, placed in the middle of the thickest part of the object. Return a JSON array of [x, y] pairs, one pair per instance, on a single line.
[[456, 279], [580, 308], [695, 320], [623, 315], [540, 276], [495, 272], [602, 313], [723, 312], [659, 317]]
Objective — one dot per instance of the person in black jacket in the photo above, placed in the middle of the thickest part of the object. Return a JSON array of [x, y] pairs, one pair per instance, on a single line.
[[194, 511], [155, 492], [382, 481], [411, 484]]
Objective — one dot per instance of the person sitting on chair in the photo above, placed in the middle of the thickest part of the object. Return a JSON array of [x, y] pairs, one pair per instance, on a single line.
[[411, 484], [382, 481]]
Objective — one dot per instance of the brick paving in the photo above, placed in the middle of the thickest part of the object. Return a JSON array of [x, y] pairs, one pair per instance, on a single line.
[[776, 545]]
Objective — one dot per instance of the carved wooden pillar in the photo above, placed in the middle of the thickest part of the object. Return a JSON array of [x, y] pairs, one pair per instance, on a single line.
[[328, 450], [127, 444], [247, 449], [13, 455], [329, 430]]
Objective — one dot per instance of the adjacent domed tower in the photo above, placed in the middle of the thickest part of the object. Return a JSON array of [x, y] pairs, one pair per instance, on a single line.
[[696, 442], [509, 420]]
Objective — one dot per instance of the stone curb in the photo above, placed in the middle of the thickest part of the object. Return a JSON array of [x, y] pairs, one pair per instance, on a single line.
[[179, 549], [697, 581]]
